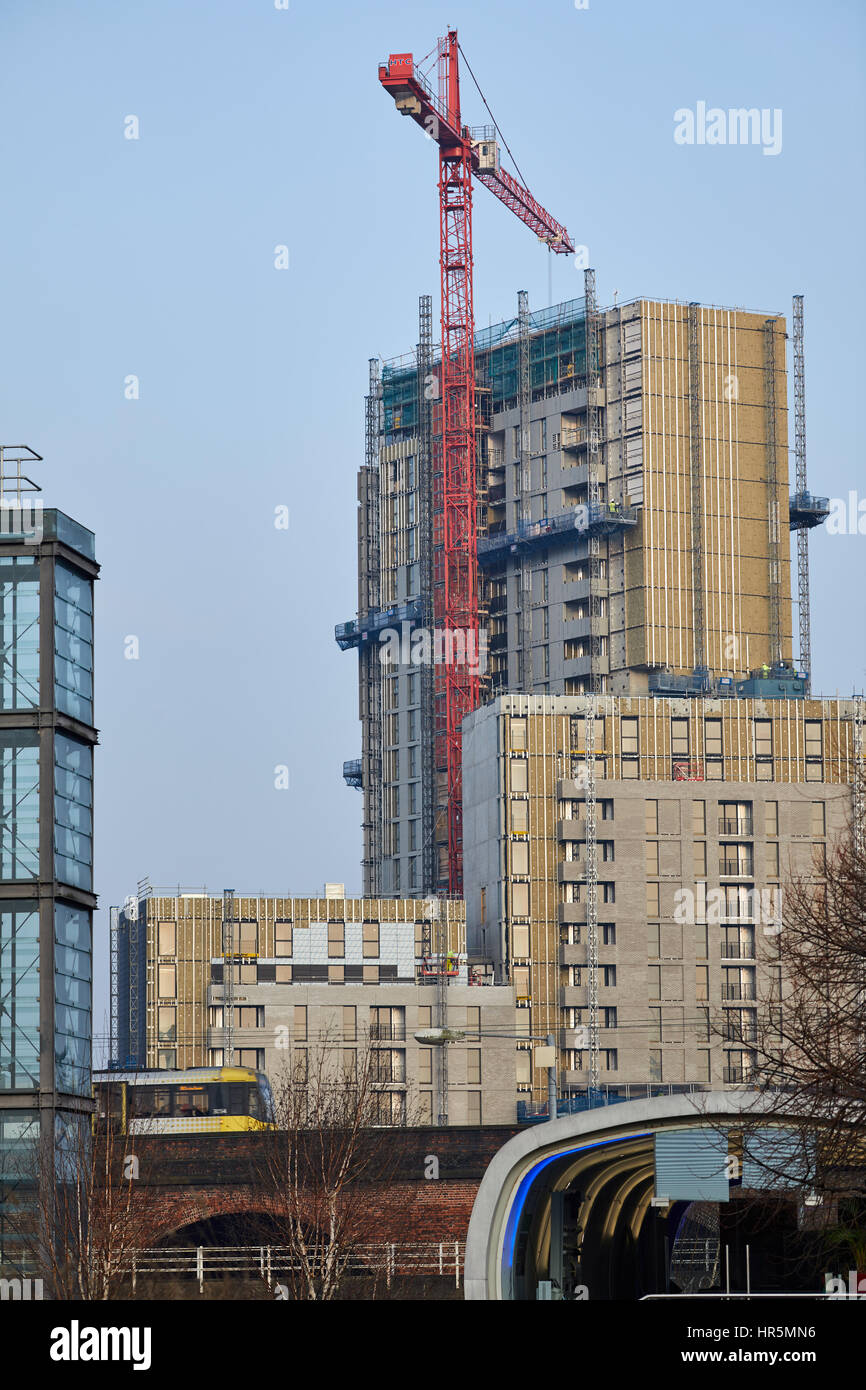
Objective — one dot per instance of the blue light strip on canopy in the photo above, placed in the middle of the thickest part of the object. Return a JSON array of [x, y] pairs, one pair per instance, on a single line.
[[526, 1182]]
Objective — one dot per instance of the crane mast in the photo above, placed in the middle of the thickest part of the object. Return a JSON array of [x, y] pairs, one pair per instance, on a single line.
[[455, 566]]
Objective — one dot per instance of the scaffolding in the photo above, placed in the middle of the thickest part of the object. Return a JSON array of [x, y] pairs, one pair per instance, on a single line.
[[594, 459], [598, 519], [114, 1058], [427, 391], [229, 961], [774, 553], [524, 496], [696, 490], [591, 857], [369, 668]]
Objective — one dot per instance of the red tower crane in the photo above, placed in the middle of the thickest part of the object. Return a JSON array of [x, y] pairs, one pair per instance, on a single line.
[[456, 566]]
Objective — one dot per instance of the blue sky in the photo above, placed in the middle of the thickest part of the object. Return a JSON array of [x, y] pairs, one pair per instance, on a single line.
[[261, 127]]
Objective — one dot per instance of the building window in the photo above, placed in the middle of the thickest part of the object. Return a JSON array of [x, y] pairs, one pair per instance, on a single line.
[[283, 975], [519, 775], [166, 939], [473, 1107], [388, 1064], [628, 733], [250, 1016], [300, 1023], [73, 643], [19, 620], [473, 1066], [73, 806], [608, 931], [336, 974], [19, 804], [72, 936], [608, 976], [425, 1066], [282, 938], [608, 1016], [336, 939], [388, 1024], [167, 1023], [167, 982], [735, 818], [679, 738], [712, 738], [762, 733], [371, 940], [517, 732], [814, 732], [609, 1056], [350, 1023]]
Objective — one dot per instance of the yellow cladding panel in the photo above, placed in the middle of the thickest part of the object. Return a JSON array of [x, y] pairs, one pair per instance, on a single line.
[[737, 518]]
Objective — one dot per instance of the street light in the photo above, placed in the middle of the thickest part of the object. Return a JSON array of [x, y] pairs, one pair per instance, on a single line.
[[542, 1056]]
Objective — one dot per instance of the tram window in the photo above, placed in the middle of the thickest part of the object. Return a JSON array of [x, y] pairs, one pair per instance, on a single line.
[[150, 1100], [110, 1104], [191, 1102]]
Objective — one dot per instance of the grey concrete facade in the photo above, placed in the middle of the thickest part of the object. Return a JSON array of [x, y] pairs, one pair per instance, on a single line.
[[691, 873]]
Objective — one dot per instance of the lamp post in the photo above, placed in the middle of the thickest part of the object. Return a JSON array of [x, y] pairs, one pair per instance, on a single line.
[[543, 1056]]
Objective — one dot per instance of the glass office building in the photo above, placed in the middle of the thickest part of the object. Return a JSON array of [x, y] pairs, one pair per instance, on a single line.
[[47, 573]]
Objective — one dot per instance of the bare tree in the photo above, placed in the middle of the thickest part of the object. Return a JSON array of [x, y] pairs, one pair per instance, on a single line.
[[810, 1039], [82, 1217], [323, 1169]]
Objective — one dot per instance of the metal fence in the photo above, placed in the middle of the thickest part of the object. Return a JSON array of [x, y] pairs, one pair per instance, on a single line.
[[269, 1262]]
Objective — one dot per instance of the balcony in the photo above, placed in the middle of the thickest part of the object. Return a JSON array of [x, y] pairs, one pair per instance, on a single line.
[[572, 997], [584, 626], [733, 826], [738, 950], [747, 1034], [573, 954], [736, 868], [737, 1076], [387, 1032], [571, 829], [573, 871], [568, 913], [733, 993]]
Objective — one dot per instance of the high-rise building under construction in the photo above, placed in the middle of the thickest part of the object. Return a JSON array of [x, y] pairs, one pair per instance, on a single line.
[[633, 518]]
